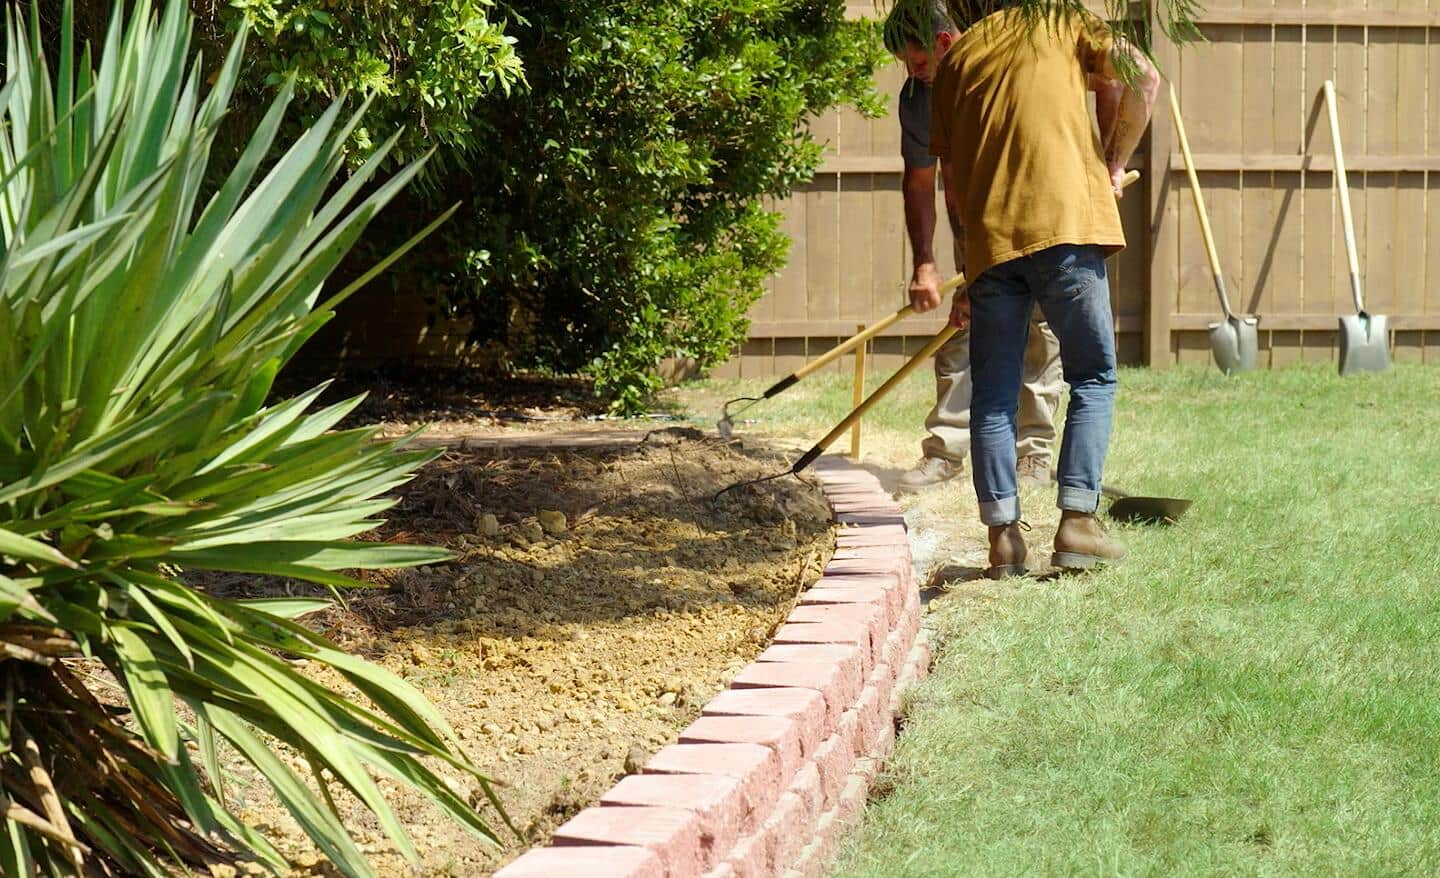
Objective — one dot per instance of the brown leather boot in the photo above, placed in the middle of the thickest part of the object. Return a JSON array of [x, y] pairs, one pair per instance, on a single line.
[[1007, 550], [1081, 543]]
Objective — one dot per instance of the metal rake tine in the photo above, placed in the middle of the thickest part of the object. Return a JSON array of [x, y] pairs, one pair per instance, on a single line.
[[726, 424], [749, 399], [770, 478]]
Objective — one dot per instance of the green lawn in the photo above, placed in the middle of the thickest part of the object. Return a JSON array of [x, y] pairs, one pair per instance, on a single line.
[[1257, 691]]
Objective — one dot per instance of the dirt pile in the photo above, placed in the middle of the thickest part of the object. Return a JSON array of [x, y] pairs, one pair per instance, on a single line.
[[595, 603]]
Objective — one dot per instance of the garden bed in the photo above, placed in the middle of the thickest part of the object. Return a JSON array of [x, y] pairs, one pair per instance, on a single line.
[[580, 628]]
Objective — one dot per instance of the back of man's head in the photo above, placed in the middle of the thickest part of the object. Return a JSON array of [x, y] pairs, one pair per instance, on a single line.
[[916, 21]]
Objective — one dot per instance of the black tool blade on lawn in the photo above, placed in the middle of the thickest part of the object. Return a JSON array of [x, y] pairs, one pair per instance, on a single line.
[[1148, 510], [1132, 509]]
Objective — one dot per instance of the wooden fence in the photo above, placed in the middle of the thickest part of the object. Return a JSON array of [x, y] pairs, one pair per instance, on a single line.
[[1253, 106]]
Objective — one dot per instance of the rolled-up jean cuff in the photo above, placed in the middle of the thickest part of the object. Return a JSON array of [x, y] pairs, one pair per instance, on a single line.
[[1002, 511], [1077, 499]]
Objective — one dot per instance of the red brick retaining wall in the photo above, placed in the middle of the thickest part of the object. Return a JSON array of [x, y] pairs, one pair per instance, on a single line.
[[779, 765]]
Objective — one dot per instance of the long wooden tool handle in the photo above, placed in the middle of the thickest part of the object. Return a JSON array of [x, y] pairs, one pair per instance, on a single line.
[[1342, 182], [853, 342], [839, 350], [880, 392], [1200, 210]]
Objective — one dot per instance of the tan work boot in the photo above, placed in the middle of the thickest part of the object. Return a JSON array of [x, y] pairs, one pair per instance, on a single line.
[[1081, 543], [1033, 469], [1007, 550], [931, 471]]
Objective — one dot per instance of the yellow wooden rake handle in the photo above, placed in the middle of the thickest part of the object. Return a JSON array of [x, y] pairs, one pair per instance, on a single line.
[[851, 343], [859, 411]]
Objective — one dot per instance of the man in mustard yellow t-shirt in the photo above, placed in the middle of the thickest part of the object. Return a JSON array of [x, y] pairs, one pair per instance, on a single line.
[[1035, 189]]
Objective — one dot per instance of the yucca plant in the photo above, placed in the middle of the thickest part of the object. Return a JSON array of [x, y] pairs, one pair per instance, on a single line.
[[144, 315]]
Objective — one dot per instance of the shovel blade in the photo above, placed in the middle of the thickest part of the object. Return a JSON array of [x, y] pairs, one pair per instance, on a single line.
[[1364, 343], [1235, 342], [1149, 510]]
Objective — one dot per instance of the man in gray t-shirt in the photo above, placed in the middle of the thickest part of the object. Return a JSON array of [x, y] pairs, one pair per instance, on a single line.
[[919, 32]]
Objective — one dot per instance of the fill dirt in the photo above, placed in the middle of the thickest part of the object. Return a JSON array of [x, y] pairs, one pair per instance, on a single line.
[[596, 602]]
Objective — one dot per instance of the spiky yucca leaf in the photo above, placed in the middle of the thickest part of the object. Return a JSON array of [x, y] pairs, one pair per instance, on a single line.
[[144, 327]]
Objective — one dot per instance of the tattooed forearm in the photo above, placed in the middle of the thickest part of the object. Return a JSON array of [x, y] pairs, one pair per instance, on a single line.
[[1118, 134], [1130, 122], [1123, 105]]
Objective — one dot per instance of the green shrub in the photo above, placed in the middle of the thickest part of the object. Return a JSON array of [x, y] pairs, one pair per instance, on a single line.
[[622, 218], [615, 203], [426, 65], [144, 323]]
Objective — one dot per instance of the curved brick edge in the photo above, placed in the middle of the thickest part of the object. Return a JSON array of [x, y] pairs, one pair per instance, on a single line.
[[778, 766]]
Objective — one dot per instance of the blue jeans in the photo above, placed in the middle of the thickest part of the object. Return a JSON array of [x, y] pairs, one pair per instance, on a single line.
[[1069, 283]]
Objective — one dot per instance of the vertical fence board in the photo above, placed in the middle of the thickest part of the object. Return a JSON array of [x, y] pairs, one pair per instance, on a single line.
[[793, 281], [1258, 135], [1285, 254], [1320, 217], [823, 272], [1382, 90], [885, 131], [856, 281]]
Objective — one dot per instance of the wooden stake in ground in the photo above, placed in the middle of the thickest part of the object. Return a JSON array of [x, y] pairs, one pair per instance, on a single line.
[[859, 394]]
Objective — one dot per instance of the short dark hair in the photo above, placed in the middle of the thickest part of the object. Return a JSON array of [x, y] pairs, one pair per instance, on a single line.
[[915, 21]]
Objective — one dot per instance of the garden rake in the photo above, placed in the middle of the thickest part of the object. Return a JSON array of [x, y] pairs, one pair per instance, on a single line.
[[1364, 338], [726, 424]]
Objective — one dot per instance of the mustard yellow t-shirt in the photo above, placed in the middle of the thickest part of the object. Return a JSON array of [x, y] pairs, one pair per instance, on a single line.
[[1009, 116]]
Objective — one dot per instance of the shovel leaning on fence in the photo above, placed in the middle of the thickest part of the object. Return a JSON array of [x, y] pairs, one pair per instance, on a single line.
[[1364, 337], [1235, 340]]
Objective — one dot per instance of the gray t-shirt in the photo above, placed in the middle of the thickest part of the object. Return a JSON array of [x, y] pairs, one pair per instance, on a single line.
[[914, 115]]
